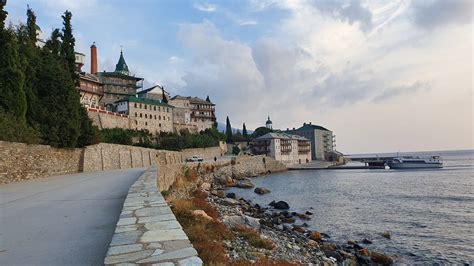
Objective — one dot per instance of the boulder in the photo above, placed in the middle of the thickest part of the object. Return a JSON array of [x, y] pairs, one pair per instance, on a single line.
[[261, 190], [203, 214], [230, 202], [230, 195], [245, 183], [309, 213], [303, 216], [334, 254], [313, 243], [366, 241], [328, 246], [299, 229], [386, 234], [316, 236], [220, 193], [252, 222], [289, 220], [364, 252], [205, 185], [242, 220], [380, 258], [281, 205]]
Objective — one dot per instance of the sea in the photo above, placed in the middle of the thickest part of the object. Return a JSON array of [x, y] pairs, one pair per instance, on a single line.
[[429, 212]]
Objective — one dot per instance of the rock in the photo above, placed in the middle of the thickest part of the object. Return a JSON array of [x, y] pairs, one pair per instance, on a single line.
[[381, 258], [364, 252], [281, 205], [205, 185], [313, 243], [299, 229], [233, 220], [220, 193], [230, 195], [202, 214], [349, 262], [386, 234], [328, 246], [366, 241], [334, 254], [303, 216], [288, 220], [261, 190], [245, 183], [308, 213], [230, 202], [325, 235], [257, 255], [252, 222], [351, 242], [316, 236]]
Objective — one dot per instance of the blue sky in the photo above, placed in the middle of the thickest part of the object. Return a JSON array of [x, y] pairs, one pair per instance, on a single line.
[[383, 75]]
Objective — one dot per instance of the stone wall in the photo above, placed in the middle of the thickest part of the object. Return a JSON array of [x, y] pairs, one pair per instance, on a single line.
[[170, 167], [147, 231], [104, 119], [20, 161]]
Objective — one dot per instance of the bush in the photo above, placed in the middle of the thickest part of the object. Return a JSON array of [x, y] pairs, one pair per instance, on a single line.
[[253, 237], [17, 131], [235, 150]]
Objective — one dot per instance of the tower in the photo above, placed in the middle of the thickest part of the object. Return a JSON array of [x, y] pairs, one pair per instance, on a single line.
[[94, 59], [269, 123]]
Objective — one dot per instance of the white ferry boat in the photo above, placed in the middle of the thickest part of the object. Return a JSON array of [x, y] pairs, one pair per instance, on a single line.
[[410, 162]]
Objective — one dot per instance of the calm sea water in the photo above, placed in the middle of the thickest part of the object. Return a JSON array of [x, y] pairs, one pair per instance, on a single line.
[[430, 213]]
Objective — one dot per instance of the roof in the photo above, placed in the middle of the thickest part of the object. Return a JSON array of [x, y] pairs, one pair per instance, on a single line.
[[312, 127], [193, 100], [118, 75], [121, 66], [88, 76], [149, 90], [145, 101], [280, 135], [268, 121]]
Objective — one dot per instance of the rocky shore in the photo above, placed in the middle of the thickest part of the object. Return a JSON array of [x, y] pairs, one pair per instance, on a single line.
[[286, 233]]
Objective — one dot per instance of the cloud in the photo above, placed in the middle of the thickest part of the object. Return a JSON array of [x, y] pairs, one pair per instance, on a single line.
[[205, 7], [352, 12], [247, 22], [440, 12], [400, 90]]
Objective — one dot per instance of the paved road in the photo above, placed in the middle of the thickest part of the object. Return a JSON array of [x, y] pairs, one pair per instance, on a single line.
[[62, 220]]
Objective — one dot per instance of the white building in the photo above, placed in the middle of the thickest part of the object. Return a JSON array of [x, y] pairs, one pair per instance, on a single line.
[[283, 147]]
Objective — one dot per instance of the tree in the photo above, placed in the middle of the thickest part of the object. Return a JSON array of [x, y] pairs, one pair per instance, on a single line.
[[235, 150], [207, 99], [244, 132], [164, 99], [54, 43], [12, 79], [89, 134], [228, 131], [260, 132], [67, 44]]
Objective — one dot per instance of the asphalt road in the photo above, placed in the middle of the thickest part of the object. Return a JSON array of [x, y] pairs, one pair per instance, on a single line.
[[62, 220]]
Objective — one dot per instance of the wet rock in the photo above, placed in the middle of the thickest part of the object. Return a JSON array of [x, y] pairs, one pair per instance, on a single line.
[[230, 195], [288, 220], [325, 235], [316, 236], [364, 252], [366, 241], [387, 235], [261, 190], [381, 258], [281, 205], [308, 213], [313, 243], [245, 183], [303, 216], [351, 242]]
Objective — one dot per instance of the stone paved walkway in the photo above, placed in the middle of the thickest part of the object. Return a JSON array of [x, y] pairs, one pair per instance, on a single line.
[[147, 231]]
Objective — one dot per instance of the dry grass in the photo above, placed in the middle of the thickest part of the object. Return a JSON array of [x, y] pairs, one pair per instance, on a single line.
[[253, 237], [206, 236], [191, 175]]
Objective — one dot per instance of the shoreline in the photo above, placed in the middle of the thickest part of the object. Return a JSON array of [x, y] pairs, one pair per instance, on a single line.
[[293, 241]]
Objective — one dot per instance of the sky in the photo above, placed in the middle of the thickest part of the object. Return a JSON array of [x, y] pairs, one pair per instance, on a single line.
[[384, 76]]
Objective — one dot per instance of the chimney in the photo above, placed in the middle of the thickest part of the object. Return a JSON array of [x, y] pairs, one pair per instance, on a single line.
[[310, 123], [93, 59]]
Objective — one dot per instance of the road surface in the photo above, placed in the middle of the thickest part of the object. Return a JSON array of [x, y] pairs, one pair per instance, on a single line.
[[62, 220]]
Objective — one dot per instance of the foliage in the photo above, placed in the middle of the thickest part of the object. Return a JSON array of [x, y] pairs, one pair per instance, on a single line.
[[244, 132], [253, 237], [126, 136], [260, 132], [228, 131], [37, 86], [13, 130], [235, 150], [173, 141]]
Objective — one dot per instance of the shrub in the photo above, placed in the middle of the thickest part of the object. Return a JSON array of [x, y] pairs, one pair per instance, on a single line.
[[191, 175], [11, 129], [253, 237]]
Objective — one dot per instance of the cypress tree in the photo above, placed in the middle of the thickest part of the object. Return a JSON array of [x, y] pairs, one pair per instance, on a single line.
[[228, 131], [54, 43], [67, 44], [12, 79], [244, 132], [164, 99]]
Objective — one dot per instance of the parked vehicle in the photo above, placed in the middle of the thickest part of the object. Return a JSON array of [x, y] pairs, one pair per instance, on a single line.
[[194, 159]]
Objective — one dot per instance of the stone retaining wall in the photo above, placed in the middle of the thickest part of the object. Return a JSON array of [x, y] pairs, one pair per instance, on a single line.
[[20, 161], [147, 231]]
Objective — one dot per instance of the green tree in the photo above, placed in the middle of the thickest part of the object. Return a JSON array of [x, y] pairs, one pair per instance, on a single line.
[[54, 43], [67, 44], [89, 134], [244, 132], [235, 150], [164, 99], [228, 131], [12, 79]]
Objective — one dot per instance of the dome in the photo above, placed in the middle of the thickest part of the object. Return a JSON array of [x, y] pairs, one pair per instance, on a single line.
[[268, 121]]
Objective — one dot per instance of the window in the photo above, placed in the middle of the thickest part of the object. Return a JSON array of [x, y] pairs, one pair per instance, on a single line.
[[135, 105], [140, 114], [136, 114], [146, 116], [155, 117], [159, 124], [146, 123], [140, 105], [136, 122], [154, 109], [159, 117]]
